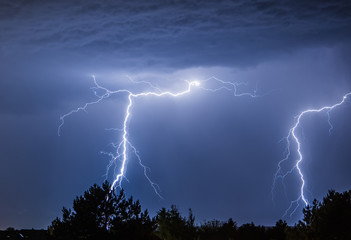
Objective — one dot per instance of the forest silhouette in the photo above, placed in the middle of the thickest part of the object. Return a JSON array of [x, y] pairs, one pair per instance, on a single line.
[[103, 214]]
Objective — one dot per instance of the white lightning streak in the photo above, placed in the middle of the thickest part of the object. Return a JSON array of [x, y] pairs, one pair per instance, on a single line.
[[280, 174], [122, 147]]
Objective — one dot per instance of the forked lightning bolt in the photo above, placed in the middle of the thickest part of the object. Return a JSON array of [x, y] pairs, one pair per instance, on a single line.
[[121, 148], [292, 136]]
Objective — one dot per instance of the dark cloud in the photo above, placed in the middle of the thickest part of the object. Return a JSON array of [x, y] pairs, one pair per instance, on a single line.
[[42, 38], [174, 33]]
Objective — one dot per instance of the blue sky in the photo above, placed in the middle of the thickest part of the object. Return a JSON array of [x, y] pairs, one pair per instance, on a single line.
[[212, 152]]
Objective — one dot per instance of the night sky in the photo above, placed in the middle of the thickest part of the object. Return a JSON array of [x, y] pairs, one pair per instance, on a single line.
[[212, 152]]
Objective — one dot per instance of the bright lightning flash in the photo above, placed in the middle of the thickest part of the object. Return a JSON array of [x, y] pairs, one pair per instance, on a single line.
[[292, 136], [121, 148]]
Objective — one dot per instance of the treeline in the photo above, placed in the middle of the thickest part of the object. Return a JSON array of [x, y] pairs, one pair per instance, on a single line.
[[101, 214]]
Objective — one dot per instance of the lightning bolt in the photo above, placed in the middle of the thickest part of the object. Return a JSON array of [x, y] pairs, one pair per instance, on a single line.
[[121, 148], [292, 136]]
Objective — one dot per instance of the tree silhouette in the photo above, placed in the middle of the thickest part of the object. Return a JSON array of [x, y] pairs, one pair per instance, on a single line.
[[251, 232], [279, 231], [218, 230], [172, 226], [131, 223], [103, 214], [330, 218]]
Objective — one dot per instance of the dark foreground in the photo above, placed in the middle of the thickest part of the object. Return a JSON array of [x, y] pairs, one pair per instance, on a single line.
[[101, 214], [13, 234]]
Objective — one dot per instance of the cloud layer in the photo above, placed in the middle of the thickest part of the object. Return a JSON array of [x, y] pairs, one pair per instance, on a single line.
[[173, 33]]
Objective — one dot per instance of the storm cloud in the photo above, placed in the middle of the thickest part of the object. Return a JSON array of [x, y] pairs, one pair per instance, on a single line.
[[173, 33]]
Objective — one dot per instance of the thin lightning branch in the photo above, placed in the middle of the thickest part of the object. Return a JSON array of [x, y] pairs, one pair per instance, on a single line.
[[114, 129], [145, 82], [292, 136], [329, 122], [122, 148], [229, 86]]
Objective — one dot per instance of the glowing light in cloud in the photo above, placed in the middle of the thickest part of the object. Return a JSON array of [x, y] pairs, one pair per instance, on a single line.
[[292, 136]]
